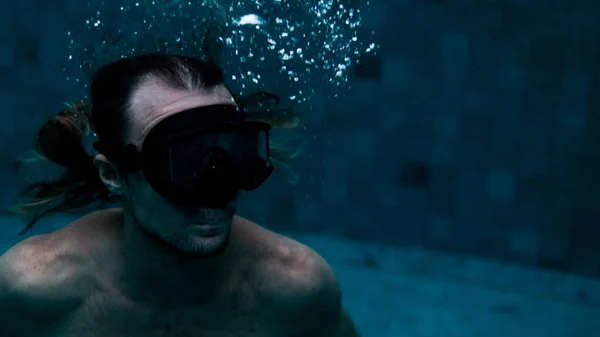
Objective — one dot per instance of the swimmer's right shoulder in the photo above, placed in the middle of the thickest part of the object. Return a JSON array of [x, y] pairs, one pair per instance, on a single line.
[[42, 280]]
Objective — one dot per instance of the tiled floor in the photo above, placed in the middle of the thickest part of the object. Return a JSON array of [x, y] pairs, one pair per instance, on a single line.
[[392, 292]]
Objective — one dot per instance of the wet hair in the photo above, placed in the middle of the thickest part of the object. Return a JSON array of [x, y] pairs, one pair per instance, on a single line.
[[60, 139]]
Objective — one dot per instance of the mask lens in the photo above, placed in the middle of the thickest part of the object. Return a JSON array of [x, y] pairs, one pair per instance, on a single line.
[[199, 165], [185, 158], [250, 144]]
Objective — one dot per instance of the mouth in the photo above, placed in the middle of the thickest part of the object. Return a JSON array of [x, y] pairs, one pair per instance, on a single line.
[[207, 229]]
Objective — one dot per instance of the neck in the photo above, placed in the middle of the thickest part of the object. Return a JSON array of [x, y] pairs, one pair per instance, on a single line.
[[156, 272]]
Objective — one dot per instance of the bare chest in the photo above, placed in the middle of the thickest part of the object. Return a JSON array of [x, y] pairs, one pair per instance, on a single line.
[[110, 317]]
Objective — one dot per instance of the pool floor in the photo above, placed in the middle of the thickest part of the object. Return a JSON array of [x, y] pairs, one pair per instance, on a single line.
[[393, 292]]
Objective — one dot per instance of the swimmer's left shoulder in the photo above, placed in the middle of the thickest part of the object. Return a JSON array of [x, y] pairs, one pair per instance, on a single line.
[[303, 280], [301, 287], [297, 278], [293, 261]]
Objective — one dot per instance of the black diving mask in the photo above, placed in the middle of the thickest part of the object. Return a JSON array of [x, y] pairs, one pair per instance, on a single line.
[[203, 156]]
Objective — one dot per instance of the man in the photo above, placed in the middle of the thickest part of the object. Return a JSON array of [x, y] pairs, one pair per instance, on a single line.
[[177, 148]]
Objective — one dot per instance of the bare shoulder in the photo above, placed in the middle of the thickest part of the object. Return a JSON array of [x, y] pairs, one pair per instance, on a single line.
[[294, 273], [43, 277], [301, 287], [35, 286]]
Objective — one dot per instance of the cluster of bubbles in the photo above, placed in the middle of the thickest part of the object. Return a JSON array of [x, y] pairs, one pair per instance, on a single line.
[[290, 44]]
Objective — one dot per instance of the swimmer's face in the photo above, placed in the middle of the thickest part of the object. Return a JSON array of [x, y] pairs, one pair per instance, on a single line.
[[191, 230]]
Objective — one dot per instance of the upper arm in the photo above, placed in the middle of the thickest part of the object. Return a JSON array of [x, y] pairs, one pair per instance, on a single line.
[[346, 326], [325, 316], [313, 305]]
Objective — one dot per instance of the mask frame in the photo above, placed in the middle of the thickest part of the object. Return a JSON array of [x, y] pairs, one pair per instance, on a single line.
[[232, 155]]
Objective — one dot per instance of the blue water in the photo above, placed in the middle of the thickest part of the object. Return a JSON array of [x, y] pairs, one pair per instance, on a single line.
[[469, 128]]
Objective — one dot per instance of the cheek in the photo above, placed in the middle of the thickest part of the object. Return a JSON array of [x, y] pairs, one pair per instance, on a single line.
[[229, 212], [139, 189], [146, 201]]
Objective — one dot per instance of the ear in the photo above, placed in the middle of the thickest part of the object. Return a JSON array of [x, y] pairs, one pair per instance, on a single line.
[[108, 174]]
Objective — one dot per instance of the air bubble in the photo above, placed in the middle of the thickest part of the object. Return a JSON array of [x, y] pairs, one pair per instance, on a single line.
[[299, 41]]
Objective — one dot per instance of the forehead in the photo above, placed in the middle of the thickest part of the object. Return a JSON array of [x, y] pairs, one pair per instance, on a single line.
[[153, 101]]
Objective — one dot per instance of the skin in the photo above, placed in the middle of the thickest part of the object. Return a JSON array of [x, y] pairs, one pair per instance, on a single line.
[[143, 270]]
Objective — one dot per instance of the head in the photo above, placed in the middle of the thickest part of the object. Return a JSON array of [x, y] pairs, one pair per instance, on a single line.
[[138, 94], [129, 99]]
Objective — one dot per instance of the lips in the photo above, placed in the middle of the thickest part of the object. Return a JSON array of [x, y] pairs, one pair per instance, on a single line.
[[207, 229], [207, 224]]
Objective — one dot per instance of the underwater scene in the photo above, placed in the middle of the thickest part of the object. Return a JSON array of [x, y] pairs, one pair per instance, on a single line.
[[315, 168]]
